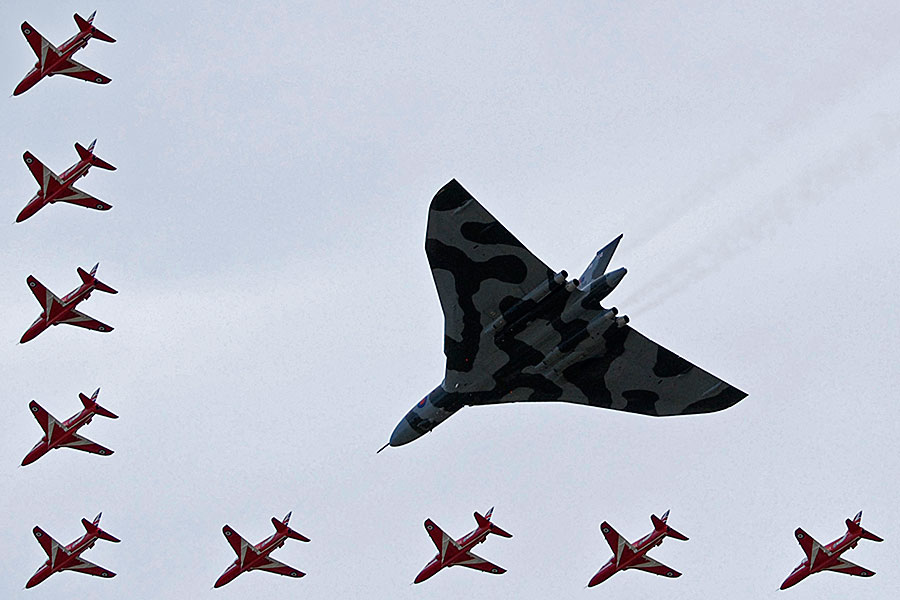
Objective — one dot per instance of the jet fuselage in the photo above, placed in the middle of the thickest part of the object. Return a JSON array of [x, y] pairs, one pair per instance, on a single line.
[[66, 50], [63, 559], [252, 560], [626, 559], [823, 560], [68, 177], [66, 307], [60, 436], [453, 554]]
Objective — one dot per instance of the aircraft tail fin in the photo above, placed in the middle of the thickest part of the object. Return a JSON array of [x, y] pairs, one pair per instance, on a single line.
[[659, 524], [92, 404], [282, 528], [88, 155], [93, 528], [854, 528], [92, 279], [598, 266], [88, 25], [485, 521]]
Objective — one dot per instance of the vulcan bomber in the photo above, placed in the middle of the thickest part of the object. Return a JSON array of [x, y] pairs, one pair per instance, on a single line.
[[517, 331]]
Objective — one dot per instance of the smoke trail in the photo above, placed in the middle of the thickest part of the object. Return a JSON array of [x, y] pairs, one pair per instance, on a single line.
[[814, 184]]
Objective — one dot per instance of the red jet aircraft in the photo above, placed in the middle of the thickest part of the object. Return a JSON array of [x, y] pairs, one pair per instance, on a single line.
[[250, 558], [64, 435], [58, 311], [58, 61], [59, 188], [67, 558], [452, 553], [634, 556], [828, 558]]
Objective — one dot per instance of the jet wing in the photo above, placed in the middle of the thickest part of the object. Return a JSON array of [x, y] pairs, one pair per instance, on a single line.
[[811, 547], [617, 543], [273, 566], [631, 372], [42, 48], [50, 546], [89, 568], [77, 70], [86, 445], [845, 566], [479, 268], [481, 271], [46, 179], [47, 421], [82, 320], [75, 196], [474, 561], [441, 540], [238, 544], [45, 297], [657, 568]]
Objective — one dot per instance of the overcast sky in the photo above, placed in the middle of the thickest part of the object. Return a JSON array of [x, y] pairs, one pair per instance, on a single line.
[[277, 316]]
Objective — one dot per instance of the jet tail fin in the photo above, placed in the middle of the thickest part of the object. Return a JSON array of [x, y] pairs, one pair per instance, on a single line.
[[854, 528], [598, 266], [90, 278], [659, 523], [88, 155], [92, 404], [282, 528], [88, 25], [94, 529], [485, 521]]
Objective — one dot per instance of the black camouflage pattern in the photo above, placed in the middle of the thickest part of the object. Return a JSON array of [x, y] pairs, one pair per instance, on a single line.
[[565, 347]]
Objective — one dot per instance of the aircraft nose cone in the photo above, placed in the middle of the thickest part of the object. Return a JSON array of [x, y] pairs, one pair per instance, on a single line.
[[403, 434]]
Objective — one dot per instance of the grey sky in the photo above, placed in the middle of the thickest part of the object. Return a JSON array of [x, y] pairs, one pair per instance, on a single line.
[[277, 317]]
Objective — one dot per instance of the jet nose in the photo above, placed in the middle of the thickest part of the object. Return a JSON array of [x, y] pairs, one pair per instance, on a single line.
[[403, 434]]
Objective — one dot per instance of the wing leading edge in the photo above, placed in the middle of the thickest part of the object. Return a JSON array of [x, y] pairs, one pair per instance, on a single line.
[[481, 271]]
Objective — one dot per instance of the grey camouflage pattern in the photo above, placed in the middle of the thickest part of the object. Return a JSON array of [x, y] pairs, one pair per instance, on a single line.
[[515, 331]]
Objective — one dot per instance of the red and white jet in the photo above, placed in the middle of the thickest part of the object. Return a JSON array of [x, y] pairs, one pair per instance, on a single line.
[[452, 553], [60, 188], [67, 558], [250, 557], [64, 435], [58, 310], [828, 558], [634, 556], [58, 61]]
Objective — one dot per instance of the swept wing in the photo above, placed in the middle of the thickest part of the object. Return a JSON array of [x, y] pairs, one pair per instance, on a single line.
[[80, 319], [274, 566], [72, 68], [88, 568], [441, 540], [473, 561], [657, 568], [481, 270], [845, 566], [43, 49], [86, 445]]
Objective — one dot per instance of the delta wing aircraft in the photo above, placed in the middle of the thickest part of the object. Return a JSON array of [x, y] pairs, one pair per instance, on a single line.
[[458, 553], [516, 331], [58, 61], [60, 188], [57, 311], [634, 556], [65, 434], [250, 557], [68, 558], [828, 557]]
